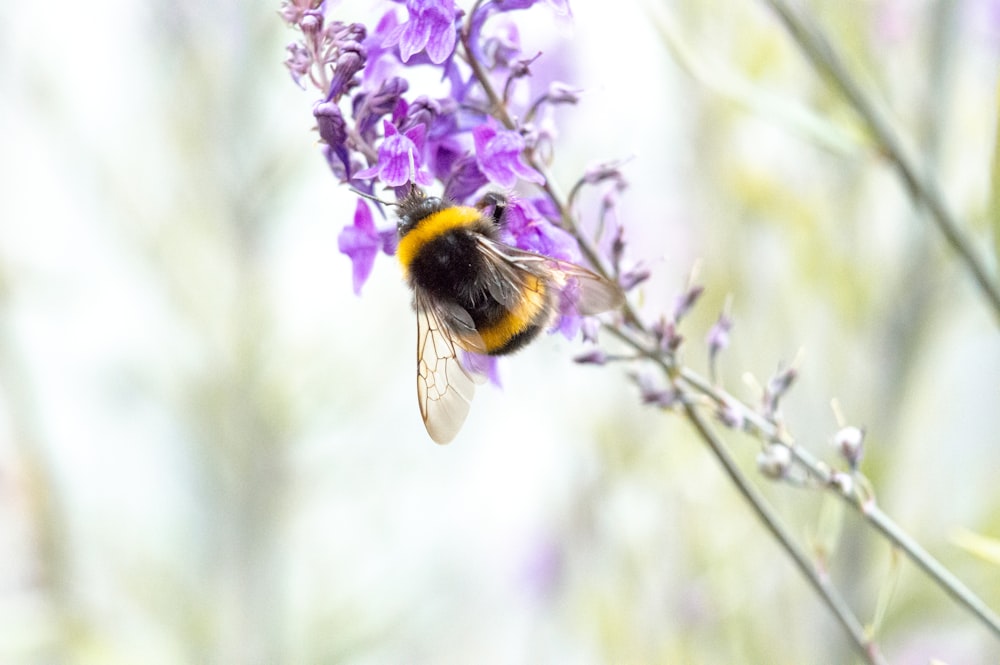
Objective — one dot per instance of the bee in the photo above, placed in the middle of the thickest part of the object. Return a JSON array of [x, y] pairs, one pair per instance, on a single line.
[[473, 292]]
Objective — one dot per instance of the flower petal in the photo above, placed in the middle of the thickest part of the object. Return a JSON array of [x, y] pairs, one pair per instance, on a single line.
[[360, 242]]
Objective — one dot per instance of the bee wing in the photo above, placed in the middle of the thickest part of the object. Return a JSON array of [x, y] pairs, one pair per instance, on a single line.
[[509, 267], [444, 386]]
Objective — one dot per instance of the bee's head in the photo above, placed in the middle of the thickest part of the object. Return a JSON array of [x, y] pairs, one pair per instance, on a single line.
[[412, 208], [416, 207]]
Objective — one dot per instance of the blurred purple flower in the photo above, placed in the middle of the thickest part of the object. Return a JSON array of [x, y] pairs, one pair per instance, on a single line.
[[592, 357], [529, 230], [654, 394], [298, 62], [362, 241], [483, 365], [718, 335], [686, 301], [464, 177], [777, 386], [543, 567], [668, 339]]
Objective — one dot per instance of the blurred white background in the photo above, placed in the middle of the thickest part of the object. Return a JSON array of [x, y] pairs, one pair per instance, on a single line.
[[210, 449]]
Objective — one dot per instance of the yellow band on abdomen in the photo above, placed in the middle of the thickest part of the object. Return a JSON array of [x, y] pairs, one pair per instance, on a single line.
[[517, 320]]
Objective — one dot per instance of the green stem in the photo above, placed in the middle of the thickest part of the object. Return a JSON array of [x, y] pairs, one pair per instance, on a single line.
[[922, 188], [688, 380], [820, 582], [825, 477]]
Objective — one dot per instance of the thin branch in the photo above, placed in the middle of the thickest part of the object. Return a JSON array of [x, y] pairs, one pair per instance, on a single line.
[[826, 477], [819, 582], [864, 645], [946, 579], [686, 380], [922, 188]]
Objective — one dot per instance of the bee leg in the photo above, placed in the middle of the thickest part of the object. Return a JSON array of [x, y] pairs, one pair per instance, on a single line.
[[498, 202]]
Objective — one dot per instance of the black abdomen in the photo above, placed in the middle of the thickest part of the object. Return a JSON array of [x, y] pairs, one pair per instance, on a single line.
[[451, 267]]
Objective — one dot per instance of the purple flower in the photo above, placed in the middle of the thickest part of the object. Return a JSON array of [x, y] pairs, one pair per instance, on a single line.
[[487, 9], [570, 322], [686, 301], [349, 62], [399, 160], [298, 62], [382, 62], [503, 47], [483, 365], [293, 11], [776, 388], [431, 28], [668, 339], [464, 177], [330, 122], [651, 392], [718, 336], [361, 242], [498, 152], [543, 567], [370, 107], [531, 231], [592, 357], [560, 6]]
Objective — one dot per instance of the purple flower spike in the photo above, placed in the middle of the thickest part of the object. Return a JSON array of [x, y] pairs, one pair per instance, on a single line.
[[431, 28], [499, 155], [361, 242], [399, 160]]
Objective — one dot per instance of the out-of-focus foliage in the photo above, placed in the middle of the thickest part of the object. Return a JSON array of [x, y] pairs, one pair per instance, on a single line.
[[210, 450]]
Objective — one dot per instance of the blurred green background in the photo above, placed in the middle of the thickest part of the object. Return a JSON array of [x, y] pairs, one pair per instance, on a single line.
[[210, 450]]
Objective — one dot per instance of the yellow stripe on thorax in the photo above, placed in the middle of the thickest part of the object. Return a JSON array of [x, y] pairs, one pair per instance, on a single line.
[[517, 320], [431, 227]]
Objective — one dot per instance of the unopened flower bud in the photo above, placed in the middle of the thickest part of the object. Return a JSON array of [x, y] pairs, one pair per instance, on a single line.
[[843, 482], [718, 336], [330, 122], [731, 417], [774, 461], [850, 442], [560, 93], [592, 357]]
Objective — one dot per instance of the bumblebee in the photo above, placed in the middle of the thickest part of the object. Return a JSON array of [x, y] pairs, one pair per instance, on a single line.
[[473, 292]]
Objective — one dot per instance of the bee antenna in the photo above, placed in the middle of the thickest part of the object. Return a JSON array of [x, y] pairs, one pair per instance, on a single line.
[[370, 197]]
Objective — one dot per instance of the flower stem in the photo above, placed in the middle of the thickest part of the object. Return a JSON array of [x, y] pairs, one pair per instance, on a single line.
[[687, 381], [921, 186], [864, 645], [825, 477]]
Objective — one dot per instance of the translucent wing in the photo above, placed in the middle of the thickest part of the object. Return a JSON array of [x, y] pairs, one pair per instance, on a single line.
[[444, 387], [512, 270]]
